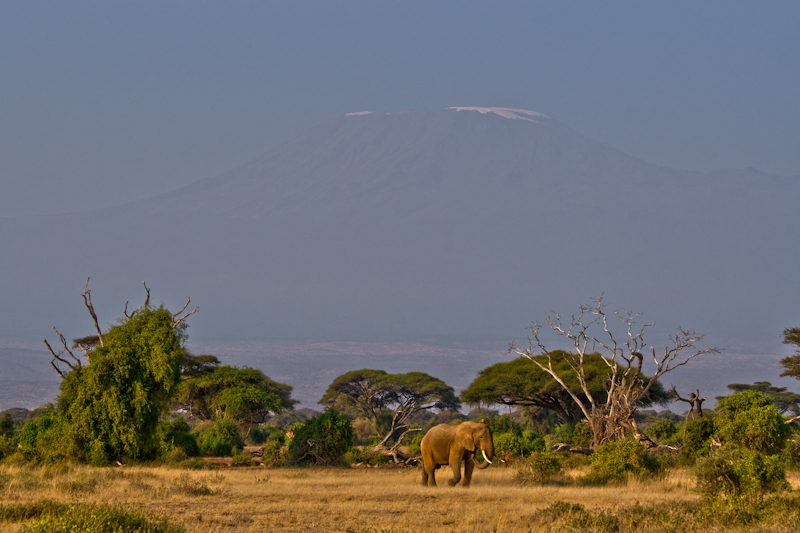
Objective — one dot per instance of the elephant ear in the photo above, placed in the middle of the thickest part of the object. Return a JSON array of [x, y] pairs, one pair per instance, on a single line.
[[465, 440]]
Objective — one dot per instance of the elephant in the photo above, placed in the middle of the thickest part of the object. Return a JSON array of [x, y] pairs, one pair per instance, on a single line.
[[445, 444]]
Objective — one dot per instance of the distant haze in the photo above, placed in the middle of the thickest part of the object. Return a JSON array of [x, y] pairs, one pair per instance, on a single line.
[[430, 225]]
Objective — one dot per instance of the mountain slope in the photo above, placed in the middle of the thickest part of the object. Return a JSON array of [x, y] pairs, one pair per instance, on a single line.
[[443, 224]]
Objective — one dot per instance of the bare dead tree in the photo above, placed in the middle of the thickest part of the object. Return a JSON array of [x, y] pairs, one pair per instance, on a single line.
[[612, 415], [690, 401], [695, 403]]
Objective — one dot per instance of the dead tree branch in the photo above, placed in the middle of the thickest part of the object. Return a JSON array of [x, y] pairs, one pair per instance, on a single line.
[[57, 356], [87, 300], [177, 319]]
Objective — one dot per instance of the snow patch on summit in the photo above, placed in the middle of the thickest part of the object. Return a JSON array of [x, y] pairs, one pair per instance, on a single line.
[[521, 114]]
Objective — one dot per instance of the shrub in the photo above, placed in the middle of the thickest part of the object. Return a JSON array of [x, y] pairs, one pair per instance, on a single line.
[[220, 438], [513, 444], [273, 452], [41, 440], [614, 461], [416, 442], [538, 468], [356, 456], [579, 434], [751, 420], [321, 440], [697, 438], [734, 470], [661, 430], [176, 434]]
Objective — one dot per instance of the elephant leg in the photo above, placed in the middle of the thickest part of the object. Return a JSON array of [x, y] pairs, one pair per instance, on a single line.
[[469, 465], [455, 465], [428, 474]]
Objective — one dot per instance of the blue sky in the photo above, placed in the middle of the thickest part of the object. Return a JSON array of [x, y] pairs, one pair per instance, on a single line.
[[105, 102]]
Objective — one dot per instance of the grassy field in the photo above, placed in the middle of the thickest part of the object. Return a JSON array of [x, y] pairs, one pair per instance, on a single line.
[[336, 499]]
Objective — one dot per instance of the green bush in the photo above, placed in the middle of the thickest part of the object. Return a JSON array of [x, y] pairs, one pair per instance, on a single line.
[[41, 440], [322, 440], [416, 442], [272, 452], [614, 461], [579, 434], [734, 470], [219, 439], [513, 444], [538, 468], [176, 434], [661, 431], [356, 456], [751, 420], [697, 438]]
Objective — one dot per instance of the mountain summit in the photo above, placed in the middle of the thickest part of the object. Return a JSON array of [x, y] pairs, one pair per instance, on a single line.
[[463, 223]]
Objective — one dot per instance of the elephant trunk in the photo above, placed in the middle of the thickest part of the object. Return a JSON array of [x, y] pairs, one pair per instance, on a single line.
[[487, 459]]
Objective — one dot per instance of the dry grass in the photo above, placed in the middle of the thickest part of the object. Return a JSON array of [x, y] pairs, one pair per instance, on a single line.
[[326, 499]]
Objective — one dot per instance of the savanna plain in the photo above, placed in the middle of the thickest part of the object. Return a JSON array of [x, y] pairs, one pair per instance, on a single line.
[[372, 500]]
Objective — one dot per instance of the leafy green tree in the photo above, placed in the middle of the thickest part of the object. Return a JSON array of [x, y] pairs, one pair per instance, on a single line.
[[321, 440], [6, 425], [112, 406], [375, 392], [108, 409], [784, 401], [791, 364], [751, 421], [245, 395], [523, 382], [220, 438]]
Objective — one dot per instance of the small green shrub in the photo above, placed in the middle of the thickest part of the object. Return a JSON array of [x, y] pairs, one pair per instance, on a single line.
[[734, 470], [751, 420], [414, 445], [176, 434], [614, 461], [538, 468], [355, 456], [511, 445], [322, 440], [661, 431], [697, 438], [273, 452], [579, 434], [220, 439], [242, 458]]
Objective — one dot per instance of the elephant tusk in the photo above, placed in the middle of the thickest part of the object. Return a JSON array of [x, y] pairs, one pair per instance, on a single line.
[[484, 456]]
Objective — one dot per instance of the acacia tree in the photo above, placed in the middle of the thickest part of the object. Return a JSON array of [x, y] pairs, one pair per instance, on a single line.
[[374, 392], [245, 395], [522, 382], [610, 413], [791, 364], [113, 395]]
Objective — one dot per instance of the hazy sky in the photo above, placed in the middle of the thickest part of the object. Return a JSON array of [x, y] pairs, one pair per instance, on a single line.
[[104, 102]]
